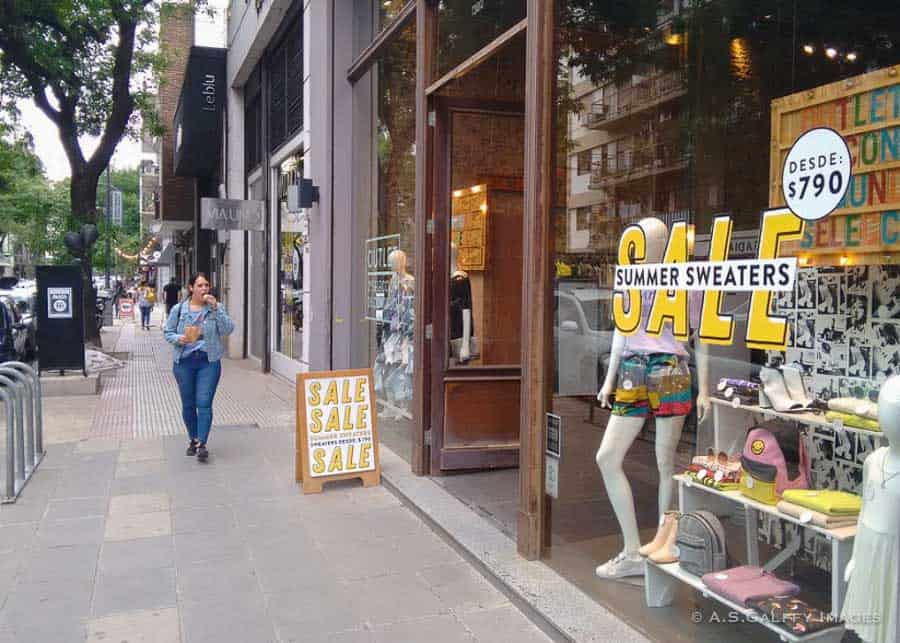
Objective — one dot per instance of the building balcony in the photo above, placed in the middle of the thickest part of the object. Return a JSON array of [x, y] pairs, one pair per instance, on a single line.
[[636, 164], [621, 106]]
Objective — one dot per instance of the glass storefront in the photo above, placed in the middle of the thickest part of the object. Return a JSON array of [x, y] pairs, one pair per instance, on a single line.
[[293, 257], [387, 208], [674, 114]]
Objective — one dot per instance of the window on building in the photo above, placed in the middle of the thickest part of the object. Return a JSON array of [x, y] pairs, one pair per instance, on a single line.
[[253, 139], [584, 162], [286, 85]]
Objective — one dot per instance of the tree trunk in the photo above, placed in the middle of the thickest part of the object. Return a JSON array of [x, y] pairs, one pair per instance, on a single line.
[[83, 200]]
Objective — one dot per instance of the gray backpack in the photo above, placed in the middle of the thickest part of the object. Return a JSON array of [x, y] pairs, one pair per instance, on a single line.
[[701, 543]]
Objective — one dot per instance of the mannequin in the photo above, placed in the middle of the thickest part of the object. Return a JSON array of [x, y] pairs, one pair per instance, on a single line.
[[460, 307], [870, 607], [658, 355], [396, 360]]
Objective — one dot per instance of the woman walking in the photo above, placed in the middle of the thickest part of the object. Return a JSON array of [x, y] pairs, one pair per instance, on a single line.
[[195, 328], [146, 301]]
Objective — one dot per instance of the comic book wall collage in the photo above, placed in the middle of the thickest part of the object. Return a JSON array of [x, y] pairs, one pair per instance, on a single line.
[[845, 332]]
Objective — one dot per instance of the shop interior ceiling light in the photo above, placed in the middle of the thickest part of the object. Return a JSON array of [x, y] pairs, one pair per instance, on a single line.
[[809, 50], [831, 52], [851, 56]]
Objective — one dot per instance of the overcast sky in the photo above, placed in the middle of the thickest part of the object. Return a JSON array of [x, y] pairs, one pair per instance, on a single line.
[[209, 32]]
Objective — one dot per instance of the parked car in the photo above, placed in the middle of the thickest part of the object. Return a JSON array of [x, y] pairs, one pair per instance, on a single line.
[[22, 303], [582, 331], [8, 330]]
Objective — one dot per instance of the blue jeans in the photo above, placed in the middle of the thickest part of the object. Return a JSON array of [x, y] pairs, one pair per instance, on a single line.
[[197, 379], [145, 315]]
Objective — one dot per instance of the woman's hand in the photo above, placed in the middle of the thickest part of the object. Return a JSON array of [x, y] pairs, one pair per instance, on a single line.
[[211, 301], [182, 340]]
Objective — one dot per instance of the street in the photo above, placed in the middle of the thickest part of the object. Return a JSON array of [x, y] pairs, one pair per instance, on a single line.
[[121, 537]]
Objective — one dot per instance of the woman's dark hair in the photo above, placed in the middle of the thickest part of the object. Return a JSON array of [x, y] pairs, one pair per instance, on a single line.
[[196, 276]]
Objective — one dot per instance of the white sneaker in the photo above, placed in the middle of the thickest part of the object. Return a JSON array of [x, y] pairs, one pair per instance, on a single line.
[[621, 566]]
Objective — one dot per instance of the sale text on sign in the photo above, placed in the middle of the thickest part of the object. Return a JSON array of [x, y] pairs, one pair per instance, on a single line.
[[336, 436], [675, 276]]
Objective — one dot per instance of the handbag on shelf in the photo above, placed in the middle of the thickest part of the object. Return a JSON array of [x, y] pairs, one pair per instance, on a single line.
[[765, 469], [701, 543], [794, 615]]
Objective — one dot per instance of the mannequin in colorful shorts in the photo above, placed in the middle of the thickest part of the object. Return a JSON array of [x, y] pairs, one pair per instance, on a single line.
[[649, 375]]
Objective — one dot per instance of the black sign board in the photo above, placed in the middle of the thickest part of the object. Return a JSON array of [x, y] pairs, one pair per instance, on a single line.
[[198, 118], [60, 319], [554, 435]]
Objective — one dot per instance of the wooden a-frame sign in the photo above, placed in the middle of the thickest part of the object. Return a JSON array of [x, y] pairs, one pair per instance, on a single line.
[[337, 433]]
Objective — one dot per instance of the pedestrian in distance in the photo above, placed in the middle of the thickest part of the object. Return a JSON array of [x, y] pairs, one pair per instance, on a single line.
[[146, 301], [196, 328], [172, 292]]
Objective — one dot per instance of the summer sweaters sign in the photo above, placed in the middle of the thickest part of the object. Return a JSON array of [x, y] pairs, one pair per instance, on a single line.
[[337, 436]]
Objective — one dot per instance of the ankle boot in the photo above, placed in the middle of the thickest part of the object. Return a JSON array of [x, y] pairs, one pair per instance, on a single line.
[[670, 521], [667, 553]]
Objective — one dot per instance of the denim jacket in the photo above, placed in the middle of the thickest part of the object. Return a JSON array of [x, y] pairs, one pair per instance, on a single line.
[[216, 326]]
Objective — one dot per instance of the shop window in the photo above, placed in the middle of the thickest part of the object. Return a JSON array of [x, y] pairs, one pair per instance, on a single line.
[[387, 207], [465, 26], [293, 257], [371, 17], [693, 108]]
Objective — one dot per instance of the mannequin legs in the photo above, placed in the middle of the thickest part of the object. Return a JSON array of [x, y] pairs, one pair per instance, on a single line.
[[620, 434], [668, 434]]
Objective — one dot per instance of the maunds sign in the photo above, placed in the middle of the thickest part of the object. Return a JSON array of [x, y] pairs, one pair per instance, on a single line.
[[231, 214]]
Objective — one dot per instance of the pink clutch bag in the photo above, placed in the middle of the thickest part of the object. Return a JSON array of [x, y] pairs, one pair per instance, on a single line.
[[746, 583]]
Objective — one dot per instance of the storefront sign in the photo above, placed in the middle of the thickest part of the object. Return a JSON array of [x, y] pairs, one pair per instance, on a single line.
[[59, 303], [675, 276], [554, 435], [470, 227], [378, 273], [336, 428], [816, 174], [231, 214], [865, 223], [198, 116]]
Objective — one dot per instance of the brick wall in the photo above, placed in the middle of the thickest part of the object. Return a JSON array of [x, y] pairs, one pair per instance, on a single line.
[[176, 34]]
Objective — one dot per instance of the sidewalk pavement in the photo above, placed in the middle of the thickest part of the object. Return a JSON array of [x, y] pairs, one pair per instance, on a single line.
[[121, 537]]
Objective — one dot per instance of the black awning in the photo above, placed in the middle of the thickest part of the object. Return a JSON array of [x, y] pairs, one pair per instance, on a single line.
[[198, 119]]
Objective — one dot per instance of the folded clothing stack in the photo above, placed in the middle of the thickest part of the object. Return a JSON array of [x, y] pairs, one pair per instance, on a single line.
[[720, 480], [860, 414], [747, 583], [794, 615], [825, 501], [856, 421], [816, 518]]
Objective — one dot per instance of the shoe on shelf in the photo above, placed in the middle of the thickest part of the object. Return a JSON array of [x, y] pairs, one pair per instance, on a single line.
[[793, 380], [669, 524], [202, 453], [621, 566], [668, 553], [192, 448], [776, 391]]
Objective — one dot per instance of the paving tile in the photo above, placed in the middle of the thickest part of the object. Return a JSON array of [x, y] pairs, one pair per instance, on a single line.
[[50, 600], [24, 510], [485, 624], [141, 450], [351, 636], [138, 503], [152, 588], [96, 445], [223, 623], [82, 487], [52, 564], [386, 599], [438, 629], [140, 468], [142, 483], [462, 588], [227, 581], [144, 626], [17, 536], [78, 531], [76, 508], [195, 548], [62, 628], [314, 612], [132, 556], [146, 525], [201, 520], [391, 522]]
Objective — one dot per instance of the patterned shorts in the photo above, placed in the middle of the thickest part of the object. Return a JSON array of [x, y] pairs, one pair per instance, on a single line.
[[658, 383]]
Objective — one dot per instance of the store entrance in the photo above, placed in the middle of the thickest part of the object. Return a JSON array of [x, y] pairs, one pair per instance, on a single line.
[[477, 279]]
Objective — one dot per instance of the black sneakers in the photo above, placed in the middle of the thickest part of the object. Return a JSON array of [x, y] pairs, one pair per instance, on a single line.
[[192, 448], [202, 453]]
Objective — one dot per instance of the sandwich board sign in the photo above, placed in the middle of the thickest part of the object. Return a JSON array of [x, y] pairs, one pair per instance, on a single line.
[[337, 436]]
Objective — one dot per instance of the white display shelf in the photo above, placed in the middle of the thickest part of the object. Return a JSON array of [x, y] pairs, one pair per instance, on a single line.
[[661, 583], [808, 418], [840, 533]]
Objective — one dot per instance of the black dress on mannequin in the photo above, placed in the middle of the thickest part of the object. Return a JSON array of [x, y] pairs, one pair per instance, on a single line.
[[460, 300]]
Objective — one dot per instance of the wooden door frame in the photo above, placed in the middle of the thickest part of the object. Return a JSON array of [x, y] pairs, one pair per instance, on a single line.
[[443, 109]]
